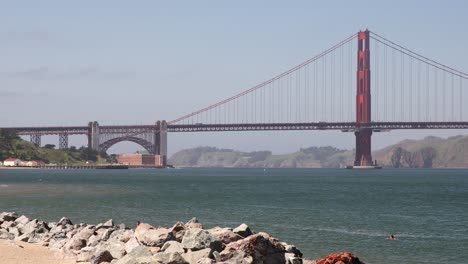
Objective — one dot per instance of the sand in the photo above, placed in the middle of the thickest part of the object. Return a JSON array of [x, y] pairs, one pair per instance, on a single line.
[[16, 252]]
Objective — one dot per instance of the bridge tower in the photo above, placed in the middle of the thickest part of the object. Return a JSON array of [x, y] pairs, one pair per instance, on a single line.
[[160, 141], [363, 102], [93, 135]]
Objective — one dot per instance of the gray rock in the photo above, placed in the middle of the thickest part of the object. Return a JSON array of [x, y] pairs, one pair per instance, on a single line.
[[292, 249], [86, 254], [64, 221], [168, 258], [57, 244], [196, 238], [123, 235], [106, 234], [7, 224], [139, 252], [21, 220], [14, 231], [34, 225], [172, 246], [75, 243], [131, 244], [93, 241], [103, 256], [115, 247], [4, 234], [193, 223], [8, 216], [243, 230], [25, 237], [192, 257], [178, 230], [149, 236], [205, 261], [291, 258], [108, 224], [85, 232]]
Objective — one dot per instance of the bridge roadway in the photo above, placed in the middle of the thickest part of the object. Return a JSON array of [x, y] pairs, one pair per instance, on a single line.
[[138, 129]]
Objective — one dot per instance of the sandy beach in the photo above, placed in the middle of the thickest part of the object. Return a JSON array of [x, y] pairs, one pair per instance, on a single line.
[[17, 252]]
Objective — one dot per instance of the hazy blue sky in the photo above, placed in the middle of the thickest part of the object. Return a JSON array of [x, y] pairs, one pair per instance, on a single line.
[[134, 62]]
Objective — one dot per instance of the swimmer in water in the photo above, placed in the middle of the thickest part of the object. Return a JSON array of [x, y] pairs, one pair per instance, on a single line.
[[391, 237]]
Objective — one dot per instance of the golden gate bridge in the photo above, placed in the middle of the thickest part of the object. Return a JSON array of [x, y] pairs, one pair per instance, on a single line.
[[331, 91]]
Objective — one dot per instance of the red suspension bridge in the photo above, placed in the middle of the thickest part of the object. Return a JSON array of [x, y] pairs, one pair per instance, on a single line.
[[331, 91]]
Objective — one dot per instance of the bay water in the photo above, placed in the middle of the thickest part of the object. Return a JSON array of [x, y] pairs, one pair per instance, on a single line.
[[318, 210]]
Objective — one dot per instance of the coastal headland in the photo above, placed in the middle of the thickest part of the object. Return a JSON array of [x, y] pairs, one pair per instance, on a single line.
[[24, 240]]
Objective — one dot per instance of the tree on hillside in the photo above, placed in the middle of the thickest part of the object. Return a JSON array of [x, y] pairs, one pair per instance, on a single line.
[[49, 146], [7, 142], [88, 154]]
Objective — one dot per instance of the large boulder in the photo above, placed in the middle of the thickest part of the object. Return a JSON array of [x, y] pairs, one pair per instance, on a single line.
[[243, 230], [168, 258], [137, 254], [261, 247], [224, 234], [178, 230], [7, 224], [152, 237], [4, 234], [75, 244], [22, 220], [339, 258], [8, 216], [173, 246], [102, 256], [15, 231], [123, 235], [108, 224], [196, 238], [131, 244], [34, 226], [115, 247], [64, 221], [193, 223], [192, 257], [85, 232]]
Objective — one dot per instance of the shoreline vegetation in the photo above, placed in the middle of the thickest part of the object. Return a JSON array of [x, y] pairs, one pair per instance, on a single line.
[[183, 243]]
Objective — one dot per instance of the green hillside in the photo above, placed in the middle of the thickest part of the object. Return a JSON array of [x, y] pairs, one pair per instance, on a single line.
[[12, 146]]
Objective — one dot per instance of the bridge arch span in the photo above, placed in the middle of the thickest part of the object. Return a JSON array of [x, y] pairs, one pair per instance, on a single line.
[[142, 142]]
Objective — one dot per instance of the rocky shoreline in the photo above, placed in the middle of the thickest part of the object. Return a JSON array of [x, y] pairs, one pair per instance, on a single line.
[[183, 243]]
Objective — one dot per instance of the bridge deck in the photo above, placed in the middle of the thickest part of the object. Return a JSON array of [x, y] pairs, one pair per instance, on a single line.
[[344, 126]]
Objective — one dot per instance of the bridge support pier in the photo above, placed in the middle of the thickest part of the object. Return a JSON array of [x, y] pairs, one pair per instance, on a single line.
[[93, 135], [363, 148], [36, 140], [63, 141], [363, 158], [160, 141]]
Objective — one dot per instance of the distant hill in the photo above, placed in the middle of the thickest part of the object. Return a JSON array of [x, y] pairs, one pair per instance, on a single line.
[[430, 152], [214, 157]]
